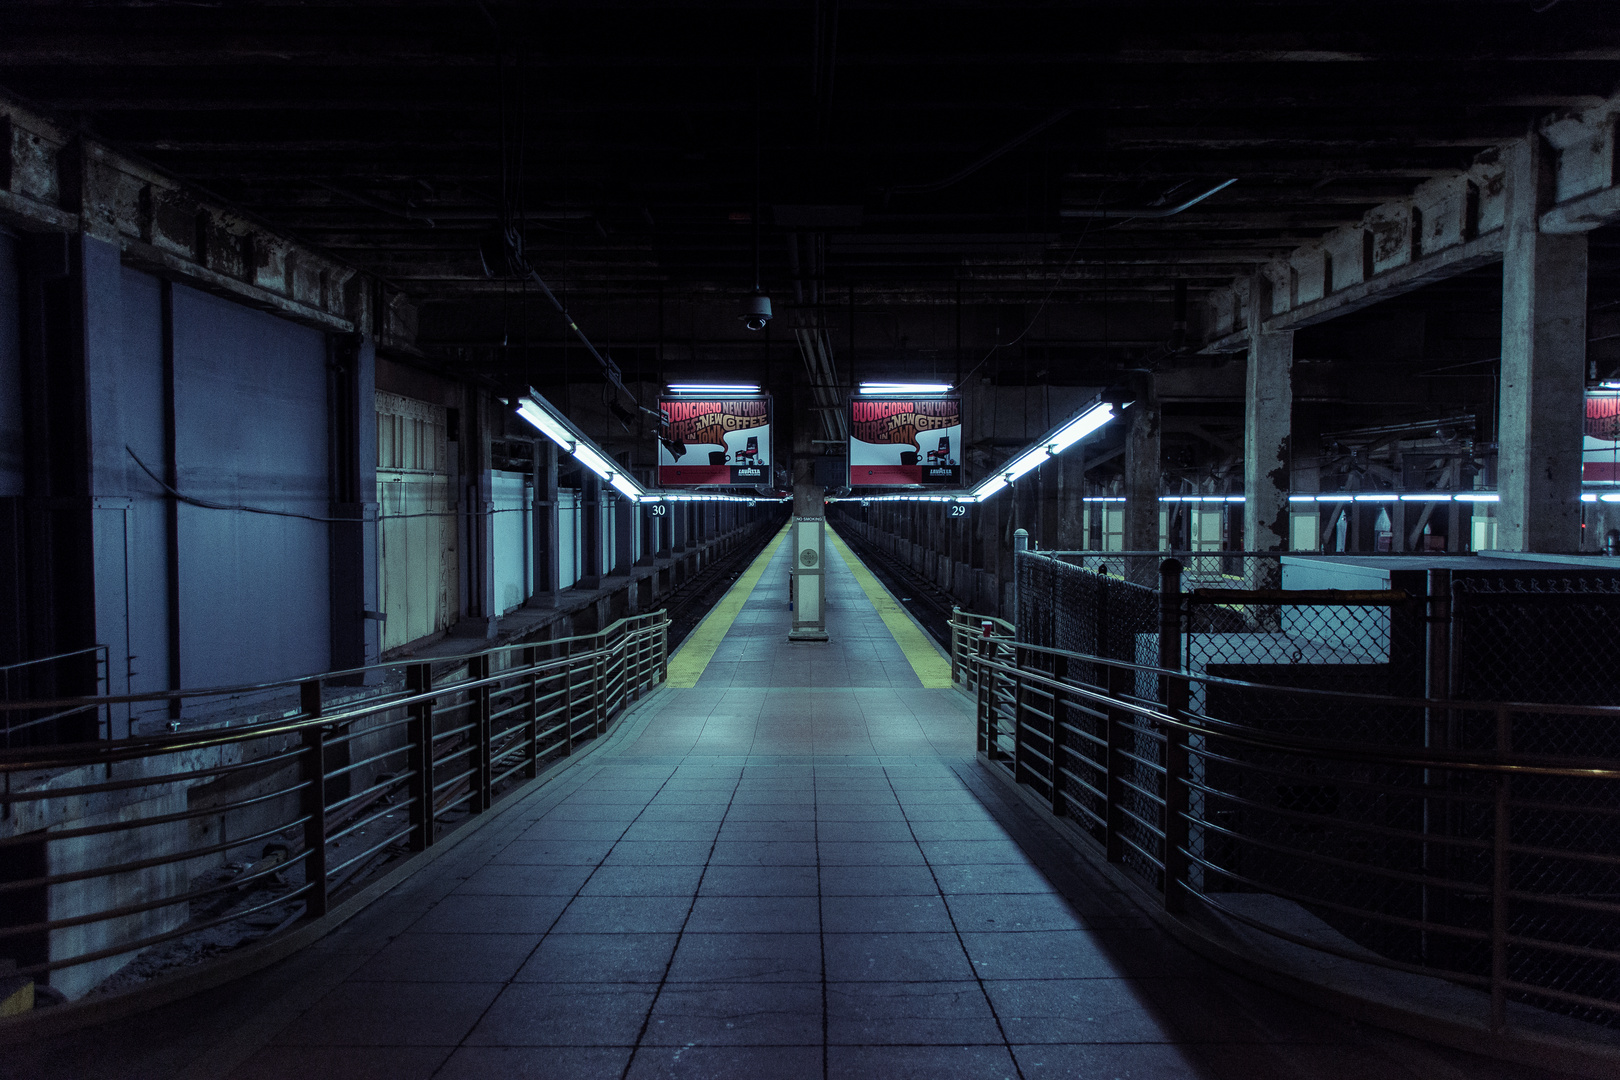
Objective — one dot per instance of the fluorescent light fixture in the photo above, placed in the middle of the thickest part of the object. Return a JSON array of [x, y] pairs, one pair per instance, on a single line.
[[1335, 498], [988, 488], [1589, 498], [1426, 497], [904, 388], [1302, 498], [713, 388], [1609, 498], [1480, 497], [1381, 497], [1102, 498], [556, 427]]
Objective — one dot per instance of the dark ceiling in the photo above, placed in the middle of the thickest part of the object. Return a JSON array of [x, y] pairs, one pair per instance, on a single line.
[[911, 151]]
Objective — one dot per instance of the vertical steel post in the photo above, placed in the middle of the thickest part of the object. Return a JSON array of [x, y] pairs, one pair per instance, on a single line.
[[1119, 680], [314, 805], [1500, 874], [568, 699], [1173, 694], [531, 713], [1060, 672], [1019, 690], [419, 730], [1436, 736], [479, 796], [986, 735]]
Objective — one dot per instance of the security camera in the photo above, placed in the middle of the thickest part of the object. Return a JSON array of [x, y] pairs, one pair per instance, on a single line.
[[757, 312]]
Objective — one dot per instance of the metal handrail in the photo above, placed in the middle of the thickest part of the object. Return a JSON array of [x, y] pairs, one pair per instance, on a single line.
[[334, 790], [1185, 802]]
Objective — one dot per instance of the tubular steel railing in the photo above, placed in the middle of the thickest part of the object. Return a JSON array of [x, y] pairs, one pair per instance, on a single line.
[[81, 673], [116, 847], [1475, 861]]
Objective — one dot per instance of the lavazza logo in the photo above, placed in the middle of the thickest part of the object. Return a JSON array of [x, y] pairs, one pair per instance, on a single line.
[[939, 472], [750, 472]]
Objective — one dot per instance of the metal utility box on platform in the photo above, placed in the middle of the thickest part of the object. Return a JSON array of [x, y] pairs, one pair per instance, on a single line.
[[809, 581]]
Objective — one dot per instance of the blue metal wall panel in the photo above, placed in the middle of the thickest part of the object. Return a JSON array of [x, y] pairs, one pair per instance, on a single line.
[[251, 429]]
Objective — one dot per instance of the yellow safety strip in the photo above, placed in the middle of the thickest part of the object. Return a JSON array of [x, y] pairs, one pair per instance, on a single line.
[[926, 660], [686, 666]]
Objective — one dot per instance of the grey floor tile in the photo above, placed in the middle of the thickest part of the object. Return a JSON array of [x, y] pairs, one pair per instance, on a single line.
[[1149, 1062], [1061, 954], [554, 852], [919, 1013], [346, 1063], [974, 852], [449, 958], [737, 958], [745, 831], [894, 832], [759, 881], [654, 828], [680, 880], [1076, 1011], [926, 1063], [755, 915], [896, 958], [859, 812], [991, 878], [763, 853], [877, 881], [391, 1014], [658, 853], [877, 853], [746, 1014], [727, 1063], [608, 958], [535, 1062], [477, 914], [885, 914], [1013, 911], [624, 915], [526, 879], [563, 1014]]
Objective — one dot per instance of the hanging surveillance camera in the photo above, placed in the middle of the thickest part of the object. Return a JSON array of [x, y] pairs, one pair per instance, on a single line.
[[757, 312]]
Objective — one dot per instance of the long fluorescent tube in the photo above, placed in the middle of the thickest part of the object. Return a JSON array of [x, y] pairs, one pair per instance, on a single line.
[[1482, 497], [904, 388], [713, 388], [556, 427]]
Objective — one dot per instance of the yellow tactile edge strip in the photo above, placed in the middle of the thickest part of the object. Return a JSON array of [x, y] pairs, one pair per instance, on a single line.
[[931, 666], [686, 666]]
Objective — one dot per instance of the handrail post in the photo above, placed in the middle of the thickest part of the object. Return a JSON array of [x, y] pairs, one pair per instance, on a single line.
[[1176, 758], [479, 668], [419, 731], [315, 820], [568, 699], [1118, 679], [531, 713], [986, 703], [1060, 673], [1019, 690], [1500, 874], [598, 706], [956, 643]]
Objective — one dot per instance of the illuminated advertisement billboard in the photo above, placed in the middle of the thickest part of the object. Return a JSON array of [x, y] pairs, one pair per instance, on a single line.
[[716, 440], [905, 441], [1600, 450]]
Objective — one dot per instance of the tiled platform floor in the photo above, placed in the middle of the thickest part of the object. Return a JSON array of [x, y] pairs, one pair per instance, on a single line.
[[793, 870]]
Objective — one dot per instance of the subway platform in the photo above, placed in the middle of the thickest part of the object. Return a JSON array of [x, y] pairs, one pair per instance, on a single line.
[[785, 864]]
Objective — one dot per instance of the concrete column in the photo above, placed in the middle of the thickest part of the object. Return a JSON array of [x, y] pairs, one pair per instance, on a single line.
[[624, 514], [1268, 407], [1543, 366], [1142, 470], [590, 499], [547, 563]]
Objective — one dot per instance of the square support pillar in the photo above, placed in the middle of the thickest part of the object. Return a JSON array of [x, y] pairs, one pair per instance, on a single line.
[[547, 522], [1543, 381], [1267, 424], [1142, 470]]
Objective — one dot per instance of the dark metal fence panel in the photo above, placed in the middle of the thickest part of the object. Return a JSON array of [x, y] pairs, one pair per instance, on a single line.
[[1335, 778]]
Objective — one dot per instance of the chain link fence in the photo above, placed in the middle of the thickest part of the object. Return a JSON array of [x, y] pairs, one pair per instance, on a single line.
[[1505, 882]]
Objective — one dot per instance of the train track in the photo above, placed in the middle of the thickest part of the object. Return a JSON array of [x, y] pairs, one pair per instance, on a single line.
[[692, 599], [929, 604]]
